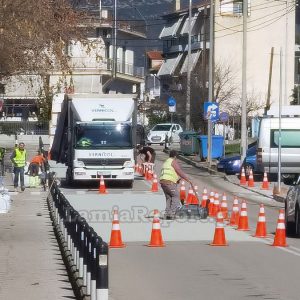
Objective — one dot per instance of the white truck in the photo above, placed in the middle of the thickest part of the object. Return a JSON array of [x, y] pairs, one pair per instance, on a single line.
[[95, 136], [289, 135]]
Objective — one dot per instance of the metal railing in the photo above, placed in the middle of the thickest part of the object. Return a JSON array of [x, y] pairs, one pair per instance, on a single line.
[[23, 127], [106, 64], [85, 253]]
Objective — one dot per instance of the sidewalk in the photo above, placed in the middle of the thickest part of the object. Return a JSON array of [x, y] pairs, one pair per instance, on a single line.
[[194, 161], [30, 260]]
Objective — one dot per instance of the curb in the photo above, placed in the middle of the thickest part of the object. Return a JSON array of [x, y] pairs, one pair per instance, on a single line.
[[277, 198]]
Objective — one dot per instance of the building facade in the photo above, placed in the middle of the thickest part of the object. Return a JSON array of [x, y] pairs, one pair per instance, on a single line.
[[270, 24], [106, 64]]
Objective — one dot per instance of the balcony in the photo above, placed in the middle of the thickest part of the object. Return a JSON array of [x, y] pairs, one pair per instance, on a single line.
[[92, 64], [133, 27], [181, 44]]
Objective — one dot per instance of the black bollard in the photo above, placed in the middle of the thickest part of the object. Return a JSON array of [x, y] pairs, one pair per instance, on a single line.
[[102, 270]]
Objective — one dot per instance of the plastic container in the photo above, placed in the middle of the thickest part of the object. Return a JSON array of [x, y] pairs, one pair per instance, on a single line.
[[189, 142], [217, 146]]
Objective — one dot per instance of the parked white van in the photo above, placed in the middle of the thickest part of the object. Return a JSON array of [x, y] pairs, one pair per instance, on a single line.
[[158, 133], [268, 140]]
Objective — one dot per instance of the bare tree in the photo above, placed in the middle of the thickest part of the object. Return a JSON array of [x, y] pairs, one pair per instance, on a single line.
[[224, 83], [34, 33], [253, 105]]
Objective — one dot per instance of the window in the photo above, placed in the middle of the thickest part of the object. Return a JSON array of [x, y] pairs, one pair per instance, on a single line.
[[290, 138], [233, 7]]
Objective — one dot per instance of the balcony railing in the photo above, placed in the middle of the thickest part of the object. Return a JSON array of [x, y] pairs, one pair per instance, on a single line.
[[86, 63], [180, 44], [132, 26]]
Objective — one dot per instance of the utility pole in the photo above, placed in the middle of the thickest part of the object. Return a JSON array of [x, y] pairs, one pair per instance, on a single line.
[[204, 57], [188, 90], [115, 40], [285, 53], [267, 106], [279, 127], [244, 133], [211, 78]]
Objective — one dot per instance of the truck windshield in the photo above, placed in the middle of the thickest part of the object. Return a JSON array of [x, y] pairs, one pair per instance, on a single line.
[[103, 136]]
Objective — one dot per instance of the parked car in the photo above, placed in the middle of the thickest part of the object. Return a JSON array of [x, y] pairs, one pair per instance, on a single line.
[[292, 209], [232, 164], [158, 133]]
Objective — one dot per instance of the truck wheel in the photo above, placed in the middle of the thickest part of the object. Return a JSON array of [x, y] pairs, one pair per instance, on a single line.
[[297, 222], [69, 177], [128, 183]]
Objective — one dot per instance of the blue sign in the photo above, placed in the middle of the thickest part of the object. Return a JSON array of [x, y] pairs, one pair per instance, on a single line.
[[211, 111], [224, 116], [171, 101]]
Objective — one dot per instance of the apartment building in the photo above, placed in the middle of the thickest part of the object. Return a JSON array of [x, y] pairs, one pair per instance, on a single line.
[[108, 64], [269, 24]]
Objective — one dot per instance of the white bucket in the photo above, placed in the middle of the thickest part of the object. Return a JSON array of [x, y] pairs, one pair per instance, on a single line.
[[4, 201]]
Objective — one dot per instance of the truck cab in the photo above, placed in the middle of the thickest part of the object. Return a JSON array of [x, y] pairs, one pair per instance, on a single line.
[[95, 137]]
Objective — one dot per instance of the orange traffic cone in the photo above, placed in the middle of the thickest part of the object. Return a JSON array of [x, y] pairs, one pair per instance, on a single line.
[[195, 200], [265, 183], [182, 193], [219, 237], [251, 179], [261, 228], [204, 198], [150, 174], [116, 236], [224, 207], [216, 207], [211, 204], [243, 219], [154, 184], [235, 214], [102, 188], [280, 238], [140, 170], [190, 196], [243, 180], [156, 236]]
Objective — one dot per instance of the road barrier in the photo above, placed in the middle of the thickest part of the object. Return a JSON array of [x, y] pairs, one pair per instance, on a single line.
[[84, 253]]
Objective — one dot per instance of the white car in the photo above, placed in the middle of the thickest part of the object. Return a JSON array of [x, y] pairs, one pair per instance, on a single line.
[[158, 133]]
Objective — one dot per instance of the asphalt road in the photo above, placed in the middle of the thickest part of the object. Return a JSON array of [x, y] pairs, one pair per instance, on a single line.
[[188, 267]]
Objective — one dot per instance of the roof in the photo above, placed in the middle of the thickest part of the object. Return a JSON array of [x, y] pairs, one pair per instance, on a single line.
[[156, 55], [185, 10]]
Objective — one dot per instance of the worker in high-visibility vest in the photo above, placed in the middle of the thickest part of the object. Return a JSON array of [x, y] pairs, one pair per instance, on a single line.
[[18, 158], [171, 174]]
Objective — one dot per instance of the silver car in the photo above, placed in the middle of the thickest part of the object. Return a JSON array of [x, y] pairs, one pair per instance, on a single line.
[[292, 210]]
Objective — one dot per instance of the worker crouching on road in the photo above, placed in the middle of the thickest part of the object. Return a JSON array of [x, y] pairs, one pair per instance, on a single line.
[[171, 174], [36, 164], [147, 156]]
